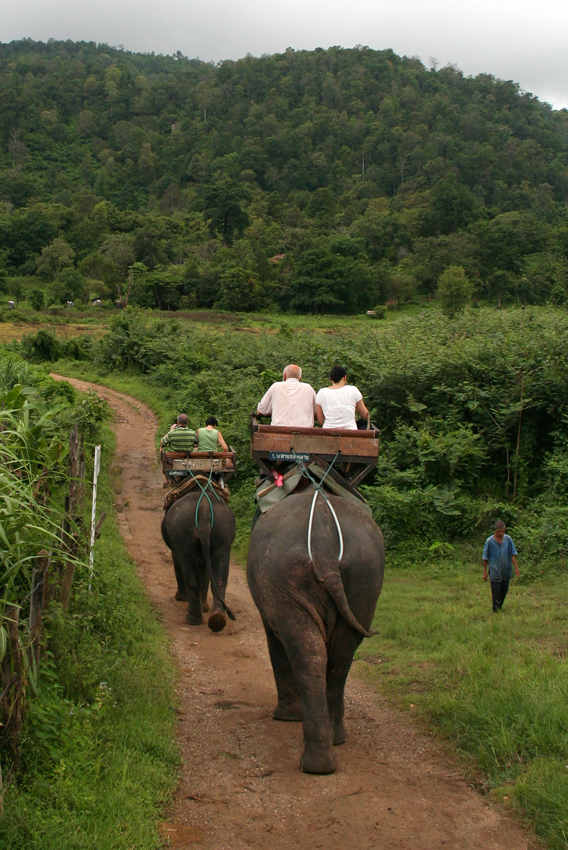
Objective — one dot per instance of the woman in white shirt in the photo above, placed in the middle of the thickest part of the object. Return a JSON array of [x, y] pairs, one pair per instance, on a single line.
[[336, 405]]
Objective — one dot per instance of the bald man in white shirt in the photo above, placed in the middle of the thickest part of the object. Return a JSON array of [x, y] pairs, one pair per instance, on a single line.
[[289, 402]]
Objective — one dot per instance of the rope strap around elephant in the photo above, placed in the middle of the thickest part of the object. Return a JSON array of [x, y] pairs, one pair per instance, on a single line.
[[204, 493], [318, 487]]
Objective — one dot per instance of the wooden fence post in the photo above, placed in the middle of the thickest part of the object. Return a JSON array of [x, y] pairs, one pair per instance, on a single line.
[[39, 575], [72, 504], [74, 463]]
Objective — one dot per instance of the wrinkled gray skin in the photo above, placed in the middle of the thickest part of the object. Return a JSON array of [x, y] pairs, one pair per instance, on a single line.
[[201, 555], [315, 614]]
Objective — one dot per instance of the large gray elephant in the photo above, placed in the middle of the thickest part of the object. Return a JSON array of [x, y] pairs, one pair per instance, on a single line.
[[315, 612], [201, 551]]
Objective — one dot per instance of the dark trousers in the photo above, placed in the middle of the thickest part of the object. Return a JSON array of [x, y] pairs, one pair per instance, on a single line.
[[498, 592]]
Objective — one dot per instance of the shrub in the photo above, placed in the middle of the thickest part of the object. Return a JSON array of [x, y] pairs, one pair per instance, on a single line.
[[454, 290], [379, 312], [37, 298]]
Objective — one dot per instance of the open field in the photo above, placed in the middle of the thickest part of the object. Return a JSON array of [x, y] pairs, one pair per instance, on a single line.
[[496, 686], [14, 331]]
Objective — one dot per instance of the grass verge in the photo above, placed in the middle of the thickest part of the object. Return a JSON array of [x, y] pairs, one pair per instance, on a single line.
[[496, 686], [99, 757]]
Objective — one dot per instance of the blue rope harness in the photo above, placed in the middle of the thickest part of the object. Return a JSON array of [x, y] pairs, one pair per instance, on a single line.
[[204, 493]]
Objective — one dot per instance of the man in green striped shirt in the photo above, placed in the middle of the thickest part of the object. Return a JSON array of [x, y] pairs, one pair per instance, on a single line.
[[180, 438]]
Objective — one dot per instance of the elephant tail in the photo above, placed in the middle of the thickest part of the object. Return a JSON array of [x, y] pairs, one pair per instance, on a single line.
[[329, 574], [203, 531]]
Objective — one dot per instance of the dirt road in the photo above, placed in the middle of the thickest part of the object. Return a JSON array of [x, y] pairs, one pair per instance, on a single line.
[[240, 786]]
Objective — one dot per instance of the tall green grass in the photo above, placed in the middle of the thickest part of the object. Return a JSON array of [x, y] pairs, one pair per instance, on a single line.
[[99, 756], [496, 686]]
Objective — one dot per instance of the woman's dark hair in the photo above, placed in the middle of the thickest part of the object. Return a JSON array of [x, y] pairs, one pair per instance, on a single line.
[[337, 373], [211, 421]]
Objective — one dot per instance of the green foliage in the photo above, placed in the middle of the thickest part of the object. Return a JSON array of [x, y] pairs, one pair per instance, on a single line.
[[98, 756], [448, 396], [36, 298], [70, 285], [454, 290], [44, 346], [379, 312], [167, 161]]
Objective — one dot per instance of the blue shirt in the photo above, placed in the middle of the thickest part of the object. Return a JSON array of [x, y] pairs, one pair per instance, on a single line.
[[499, 557]]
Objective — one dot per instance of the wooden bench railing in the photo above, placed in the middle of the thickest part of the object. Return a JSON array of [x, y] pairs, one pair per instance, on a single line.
[[358, 449]]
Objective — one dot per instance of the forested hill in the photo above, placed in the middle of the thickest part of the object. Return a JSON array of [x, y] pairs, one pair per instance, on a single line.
[[369, 173]]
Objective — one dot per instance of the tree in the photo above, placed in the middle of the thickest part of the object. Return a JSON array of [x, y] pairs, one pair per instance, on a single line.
[[118, 249], [454, 290], [55, 257], [70, 285], [148, 249], [238, 290], [36, 298], [223, 209], [17, 148]]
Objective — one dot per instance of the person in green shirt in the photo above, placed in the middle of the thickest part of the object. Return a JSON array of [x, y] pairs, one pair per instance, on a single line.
[[180, 438], [210, 439]]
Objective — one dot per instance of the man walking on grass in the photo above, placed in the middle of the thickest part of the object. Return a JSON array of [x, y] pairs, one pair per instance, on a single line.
[[499, 552]]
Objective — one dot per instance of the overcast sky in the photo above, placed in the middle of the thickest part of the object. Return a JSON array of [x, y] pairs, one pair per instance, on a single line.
[[512, 39]]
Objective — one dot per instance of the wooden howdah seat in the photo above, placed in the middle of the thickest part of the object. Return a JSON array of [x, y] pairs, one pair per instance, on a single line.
[[355, 452], [178, 466]]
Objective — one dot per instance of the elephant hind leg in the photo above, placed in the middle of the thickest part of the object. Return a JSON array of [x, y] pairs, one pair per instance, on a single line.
[[342, 645], [181, 592], [289, 706], [307, 654]]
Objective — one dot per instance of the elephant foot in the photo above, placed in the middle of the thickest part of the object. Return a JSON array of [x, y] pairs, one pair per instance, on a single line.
[[320, 760], [194, 621], [289, 713], [181, 597], [339, 735], [217, 621], [205, 607]]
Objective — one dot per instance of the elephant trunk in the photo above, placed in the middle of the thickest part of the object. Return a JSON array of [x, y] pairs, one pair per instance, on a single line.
[[203, 532]]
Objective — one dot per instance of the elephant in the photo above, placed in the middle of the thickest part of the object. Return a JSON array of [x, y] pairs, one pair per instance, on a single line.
[[315, 610], [201, 551]]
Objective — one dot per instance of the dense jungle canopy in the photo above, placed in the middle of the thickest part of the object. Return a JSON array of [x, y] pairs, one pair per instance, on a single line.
[[328, 180]]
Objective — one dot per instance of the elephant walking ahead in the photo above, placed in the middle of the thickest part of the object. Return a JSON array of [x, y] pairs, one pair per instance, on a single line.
[[317, 612], [201, 551]]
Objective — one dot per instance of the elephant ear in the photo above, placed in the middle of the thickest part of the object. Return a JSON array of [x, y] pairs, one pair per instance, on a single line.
[[328, 572]]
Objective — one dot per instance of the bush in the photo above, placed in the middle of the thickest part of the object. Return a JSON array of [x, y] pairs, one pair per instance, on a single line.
[[379, 312], [454, 290], [37, 298], [41, 347]]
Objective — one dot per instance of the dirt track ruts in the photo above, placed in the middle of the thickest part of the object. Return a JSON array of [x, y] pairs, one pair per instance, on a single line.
[[240, 784]]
